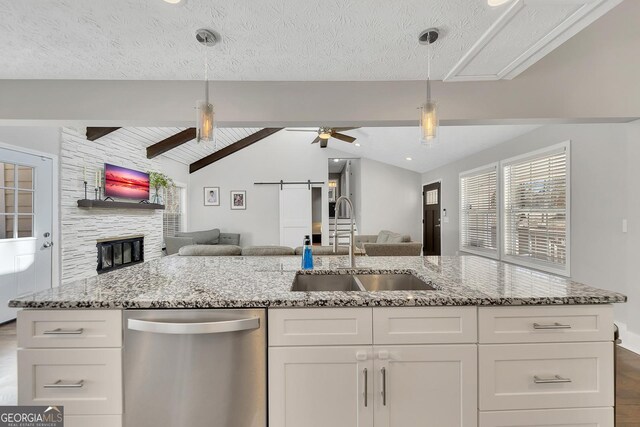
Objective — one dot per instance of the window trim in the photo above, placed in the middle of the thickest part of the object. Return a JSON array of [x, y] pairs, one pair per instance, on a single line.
[[482, 252], [539, 264]]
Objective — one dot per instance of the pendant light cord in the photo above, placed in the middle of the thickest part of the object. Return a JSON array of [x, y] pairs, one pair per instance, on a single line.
[[206, 70], [428, 69]]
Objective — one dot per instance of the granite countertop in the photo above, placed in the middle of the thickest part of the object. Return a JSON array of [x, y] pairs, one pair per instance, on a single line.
[[203, 282]]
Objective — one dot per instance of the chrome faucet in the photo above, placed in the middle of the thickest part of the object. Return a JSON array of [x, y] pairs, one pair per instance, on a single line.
[[352, 244]]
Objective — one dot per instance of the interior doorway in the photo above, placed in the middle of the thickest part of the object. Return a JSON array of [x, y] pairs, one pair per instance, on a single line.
[[26, 226], [431, 219]]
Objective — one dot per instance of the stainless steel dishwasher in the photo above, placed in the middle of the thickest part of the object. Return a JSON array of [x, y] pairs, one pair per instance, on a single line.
[[195, 368]]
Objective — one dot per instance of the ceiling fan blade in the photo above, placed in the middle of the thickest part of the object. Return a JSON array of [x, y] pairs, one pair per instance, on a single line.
[[343, 137], [302, 130], [323, 143], [318, 139], [343, 129]]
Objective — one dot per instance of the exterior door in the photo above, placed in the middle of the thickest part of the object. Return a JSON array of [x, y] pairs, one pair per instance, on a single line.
[[26, 196], [320, 387], [431, 219], [295, 214], [426, 386]]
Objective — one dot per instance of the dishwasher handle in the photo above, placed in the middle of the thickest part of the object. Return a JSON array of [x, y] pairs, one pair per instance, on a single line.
[[186, 328]]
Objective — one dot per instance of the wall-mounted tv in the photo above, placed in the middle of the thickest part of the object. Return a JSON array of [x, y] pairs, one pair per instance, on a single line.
[[125, 183]]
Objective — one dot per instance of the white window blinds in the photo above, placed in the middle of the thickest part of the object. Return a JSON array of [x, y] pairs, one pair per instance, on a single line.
[[172, 215], [535, 209], [479, 211]]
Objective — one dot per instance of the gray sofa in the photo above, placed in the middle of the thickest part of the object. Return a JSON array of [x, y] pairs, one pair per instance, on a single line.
[[388, 243], [208, 237]]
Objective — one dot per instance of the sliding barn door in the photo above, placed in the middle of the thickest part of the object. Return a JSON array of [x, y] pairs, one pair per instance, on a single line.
[[295, 214]]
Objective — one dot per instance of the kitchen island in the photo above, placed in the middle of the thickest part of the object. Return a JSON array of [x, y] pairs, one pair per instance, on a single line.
[[491, 345]]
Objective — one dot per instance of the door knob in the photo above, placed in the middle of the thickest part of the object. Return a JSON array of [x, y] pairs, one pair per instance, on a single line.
[[47, 244]]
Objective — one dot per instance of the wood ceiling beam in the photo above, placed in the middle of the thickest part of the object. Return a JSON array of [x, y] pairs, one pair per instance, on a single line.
[[170, 143], [96, 133], [230, 149]]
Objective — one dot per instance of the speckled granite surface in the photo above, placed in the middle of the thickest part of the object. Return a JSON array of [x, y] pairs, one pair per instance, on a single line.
[[202, 282]]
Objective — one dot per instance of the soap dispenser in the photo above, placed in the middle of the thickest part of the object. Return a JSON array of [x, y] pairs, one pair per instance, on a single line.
[[307, 256]]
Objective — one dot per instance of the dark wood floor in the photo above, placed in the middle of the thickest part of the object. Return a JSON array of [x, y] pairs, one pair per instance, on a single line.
[[627, 387]]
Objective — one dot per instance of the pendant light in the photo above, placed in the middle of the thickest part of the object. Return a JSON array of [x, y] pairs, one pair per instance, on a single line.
[[205, 121], [428, 110]]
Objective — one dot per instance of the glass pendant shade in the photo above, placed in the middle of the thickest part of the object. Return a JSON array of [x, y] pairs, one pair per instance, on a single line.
[[205, 122], [428, 122]]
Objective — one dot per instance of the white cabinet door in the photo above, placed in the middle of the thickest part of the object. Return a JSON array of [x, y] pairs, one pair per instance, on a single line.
[[320, 387], [426, 386]]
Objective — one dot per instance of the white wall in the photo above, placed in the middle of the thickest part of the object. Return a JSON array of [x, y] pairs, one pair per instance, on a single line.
[[632, 340], [599, 195], [390, 199], [45, 139], [290, 157]]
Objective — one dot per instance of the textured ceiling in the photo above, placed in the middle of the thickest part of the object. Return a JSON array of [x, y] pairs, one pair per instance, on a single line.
[[267, 39]]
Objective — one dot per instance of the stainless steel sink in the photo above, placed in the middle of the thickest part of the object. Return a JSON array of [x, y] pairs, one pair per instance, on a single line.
[[392, 282], [325, 282], [358, 282]]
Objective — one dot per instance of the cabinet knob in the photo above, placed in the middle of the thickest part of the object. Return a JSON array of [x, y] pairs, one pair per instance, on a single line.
[[383, 355], [361, 356]]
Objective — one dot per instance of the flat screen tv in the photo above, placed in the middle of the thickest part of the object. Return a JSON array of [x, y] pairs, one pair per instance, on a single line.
[[125, 183]]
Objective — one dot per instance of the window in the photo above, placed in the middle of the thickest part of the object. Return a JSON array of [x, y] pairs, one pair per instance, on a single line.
[[518, 210], [536, 213], [173, 215], [479, 211], [16, 201]]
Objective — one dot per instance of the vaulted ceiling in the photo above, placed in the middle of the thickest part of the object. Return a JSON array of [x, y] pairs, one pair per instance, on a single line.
[[283, 39]]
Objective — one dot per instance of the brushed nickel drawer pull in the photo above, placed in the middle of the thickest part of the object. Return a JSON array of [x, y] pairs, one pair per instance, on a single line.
[[557, 379], [60, 331], [65, 384], [366, 387], [554, 325], [384, 386]]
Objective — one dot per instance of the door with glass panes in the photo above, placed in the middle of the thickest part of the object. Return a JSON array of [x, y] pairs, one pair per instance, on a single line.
[[26, 242]]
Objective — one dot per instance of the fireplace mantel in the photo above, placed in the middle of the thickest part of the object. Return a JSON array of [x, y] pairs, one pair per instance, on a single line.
[[101, 204]]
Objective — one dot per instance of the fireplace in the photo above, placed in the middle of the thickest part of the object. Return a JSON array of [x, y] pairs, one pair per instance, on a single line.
[[119, 253]]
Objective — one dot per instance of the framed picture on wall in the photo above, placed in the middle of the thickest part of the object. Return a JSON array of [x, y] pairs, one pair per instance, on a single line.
[[238, 200], [212, 196]]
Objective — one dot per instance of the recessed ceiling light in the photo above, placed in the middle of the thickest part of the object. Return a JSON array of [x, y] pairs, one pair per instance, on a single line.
[[492, 3], [409, 158], [173, 1], [336, 160], [357, 144]]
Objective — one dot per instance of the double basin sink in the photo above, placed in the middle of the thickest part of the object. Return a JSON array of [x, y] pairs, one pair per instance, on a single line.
[[359, 282]]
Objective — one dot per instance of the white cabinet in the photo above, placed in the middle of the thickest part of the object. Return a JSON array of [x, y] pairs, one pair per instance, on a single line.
[[313, 384], [72, 358], [426, 385], [582, 417], [320, 387]]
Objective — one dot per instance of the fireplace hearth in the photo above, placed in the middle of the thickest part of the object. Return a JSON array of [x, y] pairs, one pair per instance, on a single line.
[[119, 253]]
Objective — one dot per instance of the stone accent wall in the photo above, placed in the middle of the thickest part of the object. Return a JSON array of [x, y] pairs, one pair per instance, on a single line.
[[81, 228]]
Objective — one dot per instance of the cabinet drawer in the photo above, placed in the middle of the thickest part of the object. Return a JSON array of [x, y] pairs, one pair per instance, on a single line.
[[545, 324], [424, 325], [583, 417], [320, 326], [84, 381], [545, 376], [93, 421], [69, 328]]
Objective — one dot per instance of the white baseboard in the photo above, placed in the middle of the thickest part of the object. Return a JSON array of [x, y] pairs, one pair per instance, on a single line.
[[630, 340]]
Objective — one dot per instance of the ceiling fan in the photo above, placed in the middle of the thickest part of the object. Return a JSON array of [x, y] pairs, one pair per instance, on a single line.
[[325, 133]]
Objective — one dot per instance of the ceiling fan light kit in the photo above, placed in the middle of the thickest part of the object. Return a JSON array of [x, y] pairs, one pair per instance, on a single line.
[[324, 133], [428, 110], [205, 119]]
